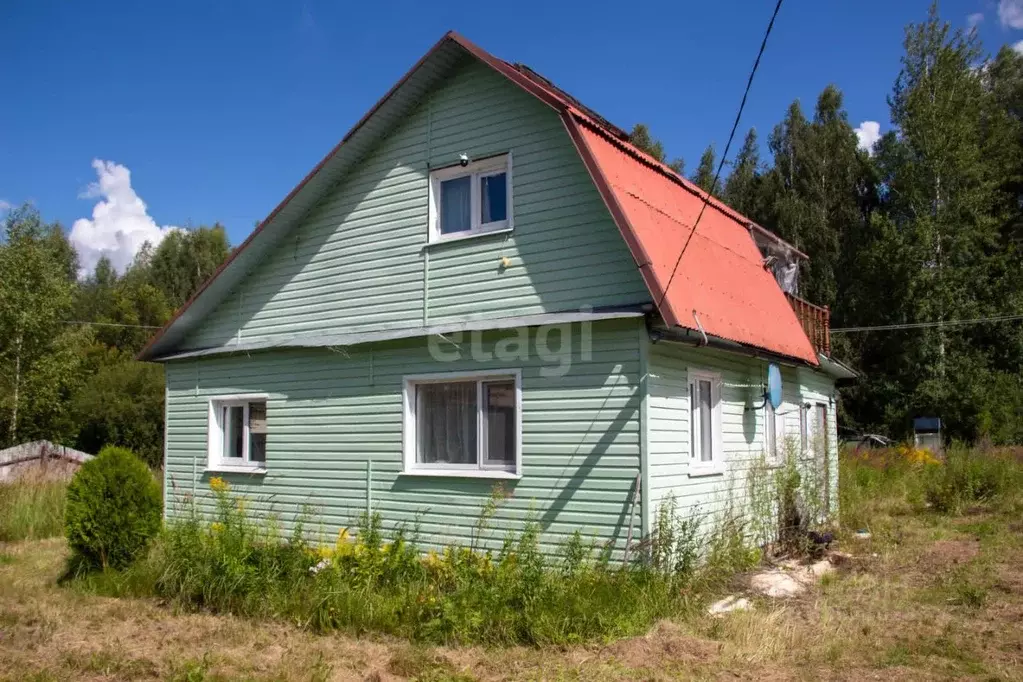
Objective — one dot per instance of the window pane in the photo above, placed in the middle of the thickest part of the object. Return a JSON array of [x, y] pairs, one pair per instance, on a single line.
[[257, 432], [456, 205], [771, 431], [233, 431], [446, 418], [499, 424], [706, 411], [493, 198]]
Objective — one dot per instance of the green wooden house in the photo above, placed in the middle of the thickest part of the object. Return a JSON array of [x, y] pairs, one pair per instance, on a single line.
[[485, 283]]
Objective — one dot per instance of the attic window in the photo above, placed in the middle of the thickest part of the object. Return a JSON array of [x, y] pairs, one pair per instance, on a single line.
[[471, 199]]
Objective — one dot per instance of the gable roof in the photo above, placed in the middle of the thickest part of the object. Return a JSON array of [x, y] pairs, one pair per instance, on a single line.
[[720, 288]]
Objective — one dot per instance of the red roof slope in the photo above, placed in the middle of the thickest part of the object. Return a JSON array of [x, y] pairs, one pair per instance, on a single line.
[[720, 280]]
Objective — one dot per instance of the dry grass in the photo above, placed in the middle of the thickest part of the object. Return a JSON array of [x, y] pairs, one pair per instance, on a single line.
[[929, 597], [940, 599]]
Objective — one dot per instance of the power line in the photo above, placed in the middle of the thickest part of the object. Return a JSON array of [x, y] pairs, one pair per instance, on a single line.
[[112, 324], [924, 325], [724, 156]]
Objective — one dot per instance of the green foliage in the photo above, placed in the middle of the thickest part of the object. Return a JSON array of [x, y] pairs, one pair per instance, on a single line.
[[122, 404], [114, 509], [705, 173], [185, 259], [380, 580], [675, 546], [31, 509], [39, 353], [970, 477], [894, 482], [641, 138]]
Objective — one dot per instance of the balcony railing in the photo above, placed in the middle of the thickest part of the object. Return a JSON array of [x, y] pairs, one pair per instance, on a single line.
[[816, 321]]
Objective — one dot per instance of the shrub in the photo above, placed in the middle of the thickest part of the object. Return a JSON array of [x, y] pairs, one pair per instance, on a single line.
[[113, 509], [31, 509]]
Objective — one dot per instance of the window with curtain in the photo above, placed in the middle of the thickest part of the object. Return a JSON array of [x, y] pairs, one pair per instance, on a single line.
[[705, 424], [466, 423], [471, 199]]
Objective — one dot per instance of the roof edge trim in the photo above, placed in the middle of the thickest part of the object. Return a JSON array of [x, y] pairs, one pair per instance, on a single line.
[[359, 338]]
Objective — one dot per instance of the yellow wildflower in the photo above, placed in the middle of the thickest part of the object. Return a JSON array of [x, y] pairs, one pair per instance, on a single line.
[[219, 485], [216, 527]]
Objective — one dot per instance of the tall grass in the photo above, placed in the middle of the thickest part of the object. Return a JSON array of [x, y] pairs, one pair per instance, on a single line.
[[371, 580], [889, 482], [31, 508]]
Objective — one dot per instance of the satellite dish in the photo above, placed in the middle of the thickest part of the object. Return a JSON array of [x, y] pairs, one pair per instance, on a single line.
[[773, 394]]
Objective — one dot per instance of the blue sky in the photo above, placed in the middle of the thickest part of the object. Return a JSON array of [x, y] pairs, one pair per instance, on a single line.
[[218, 109]]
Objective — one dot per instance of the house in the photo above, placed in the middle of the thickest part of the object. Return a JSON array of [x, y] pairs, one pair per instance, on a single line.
[[40, 460], [477, 286]]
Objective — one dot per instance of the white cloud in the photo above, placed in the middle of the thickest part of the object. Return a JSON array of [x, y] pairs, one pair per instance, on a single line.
[[867, 134], [120, 224], [974, 19], [1010, 13], [5, 206], [1018, 46]]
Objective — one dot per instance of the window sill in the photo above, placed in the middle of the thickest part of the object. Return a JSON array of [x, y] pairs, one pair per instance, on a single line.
[[464, 473], [232, 469], [462, 236], [698, 471]]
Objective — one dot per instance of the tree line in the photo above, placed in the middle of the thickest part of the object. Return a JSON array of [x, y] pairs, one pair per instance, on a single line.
[[925, 227], [67, 344]]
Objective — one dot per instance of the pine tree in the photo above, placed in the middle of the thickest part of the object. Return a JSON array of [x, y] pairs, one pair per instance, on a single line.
[[742, 187], [641, 138], [705, 173]]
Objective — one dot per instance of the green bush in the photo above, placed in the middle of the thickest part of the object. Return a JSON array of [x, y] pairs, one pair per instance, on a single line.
[[31, 509], [113, 509]]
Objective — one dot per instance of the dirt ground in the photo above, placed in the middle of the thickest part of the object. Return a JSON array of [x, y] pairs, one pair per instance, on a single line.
[[927, 598]]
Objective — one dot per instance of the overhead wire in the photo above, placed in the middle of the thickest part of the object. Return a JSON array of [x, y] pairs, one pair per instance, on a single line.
[[724, 156], [925, 325]]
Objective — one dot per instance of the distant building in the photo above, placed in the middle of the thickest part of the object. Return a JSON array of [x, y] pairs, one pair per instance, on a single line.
[[40, 459]]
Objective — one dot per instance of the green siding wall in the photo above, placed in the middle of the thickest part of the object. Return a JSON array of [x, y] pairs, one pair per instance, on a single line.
[[330, 413], [360, 260], [743, 430]]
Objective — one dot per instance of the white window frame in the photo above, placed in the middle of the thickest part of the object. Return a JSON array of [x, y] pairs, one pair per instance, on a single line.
[[775, 418], [479, 470], [804, 428], [716, 465], [476, 170], [215, 434]]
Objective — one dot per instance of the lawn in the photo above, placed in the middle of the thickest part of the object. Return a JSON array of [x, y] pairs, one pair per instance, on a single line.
[[928, 596]]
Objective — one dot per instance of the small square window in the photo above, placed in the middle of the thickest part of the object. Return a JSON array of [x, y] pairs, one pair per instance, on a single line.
[[237, 433], [471, 199], [463, 425]]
